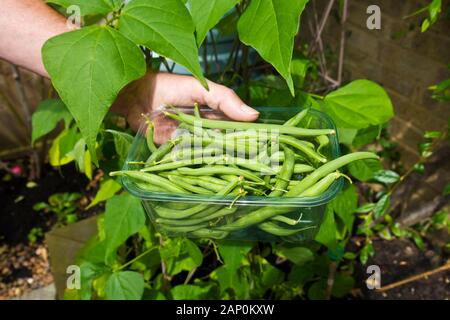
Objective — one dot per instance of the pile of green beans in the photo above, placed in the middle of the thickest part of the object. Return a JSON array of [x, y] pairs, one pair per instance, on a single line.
[[255, 159]]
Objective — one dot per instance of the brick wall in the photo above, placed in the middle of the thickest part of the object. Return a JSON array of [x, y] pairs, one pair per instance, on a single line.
[[405, 62], [402, 59]]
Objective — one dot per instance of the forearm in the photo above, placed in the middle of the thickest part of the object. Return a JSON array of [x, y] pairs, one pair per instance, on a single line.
[[25, 25]]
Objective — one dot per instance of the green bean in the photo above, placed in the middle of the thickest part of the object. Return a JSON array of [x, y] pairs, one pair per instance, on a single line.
[[321, 186], [152, 179], [193, 221], [181, 229], [208, 233], [181, 182], [150, 144], [220, 170], [188, 153], [279, 157], [285, 173], [302, 168], [302, 146], [262, 214], [233, 125], [295, 120], [162, 151], [323, 141], [275, 229], [181, 163], [149, 187], [286, 220], [176, 214], [197, 111]]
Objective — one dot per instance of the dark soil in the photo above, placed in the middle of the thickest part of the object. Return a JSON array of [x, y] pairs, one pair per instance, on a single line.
[[24, 265], [399, 259]]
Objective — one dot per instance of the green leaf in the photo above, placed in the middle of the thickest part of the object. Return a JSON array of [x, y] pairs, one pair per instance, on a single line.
[[124, 216], [46, 117], [88, 68], [359, 104], [164, 27], [88, 7], [231, 279], [327, 231], [82, 158], [365, 208], [317, 290], [299, 68], [345, 204], [194, 252], [88, 272], [364, 170], [190, 292], [366, 252], [386, 176], [271, 276], [125, 285], [108, 188], [381, 206], [343, 284], [301, 273], [233, 252], [207, 13], [298, 255], [270, 27], [122, 142], [366, 136], [347, 136]]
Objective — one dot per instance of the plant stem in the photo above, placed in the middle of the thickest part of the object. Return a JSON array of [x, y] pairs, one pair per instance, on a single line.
[[135, 259]]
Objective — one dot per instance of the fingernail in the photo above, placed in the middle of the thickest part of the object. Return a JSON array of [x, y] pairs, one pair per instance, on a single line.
[[248, 109]]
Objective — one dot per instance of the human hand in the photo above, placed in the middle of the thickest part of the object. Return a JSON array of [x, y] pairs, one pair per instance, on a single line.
[[155, 90]]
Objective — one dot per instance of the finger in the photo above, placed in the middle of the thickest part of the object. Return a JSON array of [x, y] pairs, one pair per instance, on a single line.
[[226, 100]]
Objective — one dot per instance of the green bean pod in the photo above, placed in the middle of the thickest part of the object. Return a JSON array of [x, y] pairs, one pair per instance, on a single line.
[[262, 214], [295, 120], [181, 182], [285, 173], [220, 170], [233, 125], [321, 186], [176, 214], [303, 147], [151, 179]]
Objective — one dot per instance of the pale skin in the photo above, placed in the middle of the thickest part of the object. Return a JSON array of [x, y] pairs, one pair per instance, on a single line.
[[25, 25]]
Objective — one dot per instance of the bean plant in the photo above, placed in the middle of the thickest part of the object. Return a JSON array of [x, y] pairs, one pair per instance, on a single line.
[[119, 40]]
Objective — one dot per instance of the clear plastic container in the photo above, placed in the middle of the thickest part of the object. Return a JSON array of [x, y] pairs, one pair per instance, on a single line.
[[308, 211]]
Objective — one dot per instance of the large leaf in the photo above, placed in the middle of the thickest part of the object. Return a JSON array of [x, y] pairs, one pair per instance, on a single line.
[[46, 117], [345, 204], [233, 252], [89, 6], [124, 216], [270, 27], [108, 188], [88, 68], [190, 292], [122, 142], [359, 104], [327, 231], [364, 170], [298, 255], [125, 285], [207, 13], [165, 27]]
